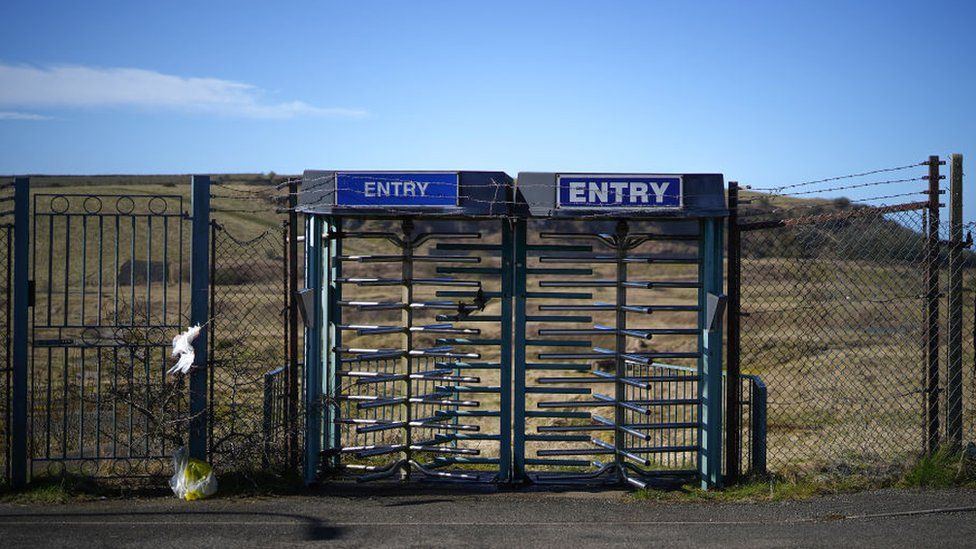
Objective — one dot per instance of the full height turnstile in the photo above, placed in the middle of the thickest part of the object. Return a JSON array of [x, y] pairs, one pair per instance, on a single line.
[[618, 343], [408, 325], [602, 291]]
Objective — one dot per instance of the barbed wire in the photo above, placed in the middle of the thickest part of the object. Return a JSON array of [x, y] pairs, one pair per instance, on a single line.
[[779, 189]]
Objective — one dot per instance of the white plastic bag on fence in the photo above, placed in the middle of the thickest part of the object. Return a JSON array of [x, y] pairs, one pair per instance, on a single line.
[[194, 478]]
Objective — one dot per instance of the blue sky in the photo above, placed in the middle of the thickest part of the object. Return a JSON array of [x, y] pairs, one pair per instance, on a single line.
[[768, 93]]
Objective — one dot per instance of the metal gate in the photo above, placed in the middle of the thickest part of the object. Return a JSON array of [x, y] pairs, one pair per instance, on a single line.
[[409, 315], [247, 421], [109, 292], [618, 308]]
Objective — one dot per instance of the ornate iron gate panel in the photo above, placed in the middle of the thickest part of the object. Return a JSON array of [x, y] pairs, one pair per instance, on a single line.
[[110, 292]]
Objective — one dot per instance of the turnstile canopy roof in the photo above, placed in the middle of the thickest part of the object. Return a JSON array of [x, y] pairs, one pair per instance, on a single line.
[[420, 193], [576, 194]]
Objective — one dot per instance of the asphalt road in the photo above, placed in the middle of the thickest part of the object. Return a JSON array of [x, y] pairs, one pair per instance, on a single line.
[[440, 517]]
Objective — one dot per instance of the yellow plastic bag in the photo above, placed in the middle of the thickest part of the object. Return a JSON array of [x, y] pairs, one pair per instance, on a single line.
[[194, 479]]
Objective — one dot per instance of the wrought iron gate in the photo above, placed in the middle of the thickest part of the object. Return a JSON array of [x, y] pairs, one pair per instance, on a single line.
[[110, 291]]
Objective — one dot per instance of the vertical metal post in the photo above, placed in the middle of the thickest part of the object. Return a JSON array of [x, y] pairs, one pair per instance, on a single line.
[[932, 309], [733, 385], [199, 312], [710, 363], [518, 426], [406, 275], [620, 345], [267, 425], [333, 335], [757, 415], [21, 289], [954, 393], [505, 416], [292, 299], [313, 348]]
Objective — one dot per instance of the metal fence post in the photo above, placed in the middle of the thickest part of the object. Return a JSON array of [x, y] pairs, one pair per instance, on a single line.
[[505, 412], [313, 347], [757, 415], [710, 363], [954, 381], [21, 302], [333, 333], [267, 424], [733, 386], [199, 312], [518, 425], [292, 301], [932, 309]]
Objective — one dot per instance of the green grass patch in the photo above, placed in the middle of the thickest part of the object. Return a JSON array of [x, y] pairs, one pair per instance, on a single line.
[[943, 469], [63, 489], [761, 489]]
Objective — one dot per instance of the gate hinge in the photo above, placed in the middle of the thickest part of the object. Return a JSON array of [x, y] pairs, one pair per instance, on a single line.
[[31, 293]]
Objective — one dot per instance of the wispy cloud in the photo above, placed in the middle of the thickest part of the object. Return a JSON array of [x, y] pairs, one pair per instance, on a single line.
[[15, 115], [84, 87]]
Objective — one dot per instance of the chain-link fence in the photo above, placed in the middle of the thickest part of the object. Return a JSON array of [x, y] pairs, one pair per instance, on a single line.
[[248, 350], [851, 319]]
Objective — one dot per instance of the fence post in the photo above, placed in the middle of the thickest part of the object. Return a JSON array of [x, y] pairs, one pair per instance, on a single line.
[[267, 425], [733, 387], [932, 309], [712, 306], [505, 413], [518, 420], [313, 348], [199, 312], [757, 431], [21, 295], [293, 448], [954, 380]]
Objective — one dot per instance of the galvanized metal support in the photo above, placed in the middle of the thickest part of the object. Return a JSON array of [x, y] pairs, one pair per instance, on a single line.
[[313, 347], [21, 302], [518, 449], [733, 385], [333, 333], [199, 312], [710, 361], [954, 381], [931, 343]]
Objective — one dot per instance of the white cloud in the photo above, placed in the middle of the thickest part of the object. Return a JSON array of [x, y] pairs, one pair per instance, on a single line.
[[15, 115], [79, 87]]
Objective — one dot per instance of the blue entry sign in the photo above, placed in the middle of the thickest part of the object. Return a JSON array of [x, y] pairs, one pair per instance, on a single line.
[[619, 191], [400, 189]]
